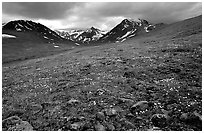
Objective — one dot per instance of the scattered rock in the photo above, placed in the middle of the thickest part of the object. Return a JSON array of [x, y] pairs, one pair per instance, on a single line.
[[10, 121], [192, 119], [73, 119], [127, 124], [110, 127], [35, 108], [155, 129], [100, 92], [87, 126], [22, 126], [99, 127], [129, 116], [75, 126], [125, 100], [138, 118], [159, 120], [129, 74], [73, 101], [10, 113], [184, 116], [139, 106], [198, 115], [14, 123], [110, 112], [166, 113], [46, 105], [55, 111], [100, 116]]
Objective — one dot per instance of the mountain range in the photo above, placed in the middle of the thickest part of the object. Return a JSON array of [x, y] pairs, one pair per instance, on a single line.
[[81, 35], [126, 29], [152, 81]]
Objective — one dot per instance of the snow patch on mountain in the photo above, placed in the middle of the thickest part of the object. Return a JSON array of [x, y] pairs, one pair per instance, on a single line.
[[8, 36], [81, 35], [38, 29], [126, 29]]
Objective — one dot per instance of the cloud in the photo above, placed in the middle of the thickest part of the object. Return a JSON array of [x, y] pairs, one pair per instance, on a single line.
[[41, 10], [153, 11], [100, 14]]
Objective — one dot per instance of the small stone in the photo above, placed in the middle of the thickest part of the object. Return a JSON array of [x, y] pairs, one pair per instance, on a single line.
[[35, 108], [75, 126], [166, 113], [100, 116], [110, 127], [129, 116], [110, 112], [138, 118], [198, 115], [55, 111], [127, 124], [129, 74], [87, 126], [155, 129], [184, 117], [159, 120], [100, 92], [73, 101], [125, 100], [139, 106], [99, 127]]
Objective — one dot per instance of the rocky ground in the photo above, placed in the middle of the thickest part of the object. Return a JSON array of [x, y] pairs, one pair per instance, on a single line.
[[143, 84]]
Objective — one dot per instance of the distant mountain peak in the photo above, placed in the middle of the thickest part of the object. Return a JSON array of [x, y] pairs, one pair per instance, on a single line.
[[126, 29], [29, 26], [82, 36], [93, 28]]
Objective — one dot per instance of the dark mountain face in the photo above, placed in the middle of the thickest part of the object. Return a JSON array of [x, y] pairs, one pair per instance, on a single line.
[[126, 29], [82, 36], [24, 26]]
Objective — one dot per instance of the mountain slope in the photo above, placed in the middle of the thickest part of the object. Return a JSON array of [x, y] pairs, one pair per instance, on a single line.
[[126, 29], [35, 30], [23, 40], [146, 83], [82, 36]]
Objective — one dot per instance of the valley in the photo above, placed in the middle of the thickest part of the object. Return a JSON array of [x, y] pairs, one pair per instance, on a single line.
[[152, 81]]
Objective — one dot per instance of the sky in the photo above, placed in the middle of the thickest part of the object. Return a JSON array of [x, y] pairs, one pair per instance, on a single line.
[[102, 15]]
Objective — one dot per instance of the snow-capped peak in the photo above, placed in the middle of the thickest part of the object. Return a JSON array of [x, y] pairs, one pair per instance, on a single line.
[[127, 28], [82, 35], [32, 27]]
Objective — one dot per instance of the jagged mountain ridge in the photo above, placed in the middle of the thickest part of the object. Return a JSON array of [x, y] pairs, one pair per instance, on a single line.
[[126, 29], [81, 35], [27, 26]]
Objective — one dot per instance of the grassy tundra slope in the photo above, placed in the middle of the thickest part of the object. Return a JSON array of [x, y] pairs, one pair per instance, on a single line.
[[140, 84], [31, 40]]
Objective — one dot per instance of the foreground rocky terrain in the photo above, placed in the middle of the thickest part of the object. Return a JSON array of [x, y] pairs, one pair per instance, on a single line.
[[143, 84]]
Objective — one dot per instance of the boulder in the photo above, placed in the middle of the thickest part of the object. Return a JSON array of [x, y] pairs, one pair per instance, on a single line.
[[100, 116], [139, 106], [99, 127], [75, 126], [14, 123], [159, 120], [194, 119]]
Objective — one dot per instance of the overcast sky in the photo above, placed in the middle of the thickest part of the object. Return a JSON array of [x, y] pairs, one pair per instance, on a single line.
[[100, 14]]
